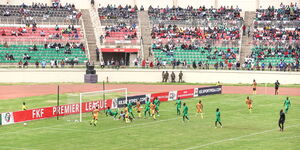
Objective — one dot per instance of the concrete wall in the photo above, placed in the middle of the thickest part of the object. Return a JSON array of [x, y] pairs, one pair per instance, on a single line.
[[246, 5], [140, 75]]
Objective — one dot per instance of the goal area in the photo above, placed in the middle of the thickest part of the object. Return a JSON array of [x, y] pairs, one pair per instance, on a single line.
[[86, 102]]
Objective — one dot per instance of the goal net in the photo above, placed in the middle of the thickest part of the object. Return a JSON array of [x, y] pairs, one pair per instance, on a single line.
[[86, 102]]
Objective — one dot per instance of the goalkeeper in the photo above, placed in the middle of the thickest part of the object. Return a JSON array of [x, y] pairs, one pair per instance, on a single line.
[[111, 113]]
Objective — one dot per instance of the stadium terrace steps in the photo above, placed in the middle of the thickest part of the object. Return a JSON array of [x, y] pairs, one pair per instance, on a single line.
[[145, 33], [246, 41], [90, 34]]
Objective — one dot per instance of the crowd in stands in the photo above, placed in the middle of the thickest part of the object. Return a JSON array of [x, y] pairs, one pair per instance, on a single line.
[[118, 12], [276, 33], [121, 32], [41, 10], [283, 13], [210, 33], [34, 32], [189, 13]]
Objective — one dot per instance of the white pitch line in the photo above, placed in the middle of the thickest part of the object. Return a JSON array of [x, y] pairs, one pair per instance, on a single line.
[[237, 138], [111, 129], [9, 147]]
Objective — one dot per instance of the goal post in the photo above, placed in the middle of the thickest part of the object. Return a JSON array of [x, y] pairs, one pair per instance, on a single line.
[[98, 98]]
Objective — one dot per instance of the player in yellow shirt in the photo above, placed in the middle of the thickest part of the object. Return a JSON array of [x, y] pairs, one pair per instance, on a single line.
[[199, 107], [127, 119], [249, 103], [138, 108], [254, 84], [24, 107], [152, 110], [95, 113]]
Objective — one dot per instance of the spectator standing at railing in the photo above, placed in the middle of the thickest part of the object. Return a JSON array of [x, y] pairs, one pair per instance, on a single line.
[[44, 64], [37, 64], [20, 63]]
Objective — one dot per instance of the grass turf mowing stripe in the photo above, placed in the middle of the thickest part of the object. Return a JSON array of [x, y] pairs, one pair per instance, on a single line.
[[237, 138]]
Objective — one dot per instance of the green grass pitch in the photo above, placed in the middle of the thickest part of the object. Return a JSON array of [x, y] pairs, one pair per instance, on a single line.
[[241, 130]]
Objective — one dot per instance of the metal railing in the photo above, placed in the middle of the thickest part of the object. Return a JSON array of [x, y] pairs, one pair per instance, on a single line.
[[39, 20]]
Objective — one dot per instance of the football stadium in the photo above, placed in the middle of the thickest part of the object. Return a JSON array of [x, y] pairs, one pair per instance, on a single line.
[[149, 74]]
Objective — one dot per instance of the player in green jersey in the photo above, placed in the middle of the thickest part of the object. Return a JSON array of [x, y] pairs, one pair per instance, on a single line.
[[129, 106], [185, 112], [218, 118], [157, 103], [178, 106], [111, 113], [147, 108], [287, 104]]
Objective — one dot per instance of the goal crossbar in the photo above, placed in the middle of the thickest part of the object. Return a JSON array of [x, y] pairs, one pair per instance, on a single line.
[[100, 92]]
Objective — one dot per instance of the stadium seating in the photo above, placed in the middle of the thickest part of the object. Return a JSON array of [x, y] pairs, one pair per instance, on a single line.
[[39, 10], [42, 53], [274, 55], [217, 54], [283, 13], [190, 13], [121, 33], [276, 38], [49, 34], [114, 13]]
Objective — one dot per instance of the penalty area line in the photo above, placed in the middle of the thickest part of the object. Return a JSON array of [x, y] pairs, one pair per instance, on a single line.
[[9, 147], [237, 138], [111, 129]]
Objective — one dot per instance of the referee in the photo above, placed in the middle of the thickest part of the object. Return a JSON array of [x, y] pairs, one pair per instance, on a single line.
[[276, 87], [281, 120]]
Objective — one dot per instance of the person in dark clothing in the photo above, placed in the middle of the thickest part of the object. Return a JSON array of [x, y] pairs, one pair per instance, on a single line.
[[173, 76], [276, 87], [163, 76], [194, 65], [166, 76], [180, 76], [97, 54], [281, 120]]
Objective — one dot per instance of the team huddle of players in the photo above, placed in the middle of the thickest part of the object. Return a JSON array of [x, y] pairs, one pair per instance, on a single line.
[[152, 109]]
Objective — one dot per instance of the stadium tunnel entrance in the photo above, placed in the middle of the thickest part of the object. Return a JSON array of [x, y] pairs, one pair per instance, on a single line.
[[119, 56]]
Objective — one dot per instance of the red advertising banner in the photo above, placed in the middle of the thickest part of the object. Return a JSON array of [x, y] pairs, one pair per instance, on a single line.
[[127, 50], [47, 112], [182, 94], [161, 96]]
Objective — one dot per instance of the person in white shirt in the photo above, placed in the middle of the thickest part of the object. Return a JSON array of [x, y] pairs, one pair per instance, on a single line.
[[52, 63]]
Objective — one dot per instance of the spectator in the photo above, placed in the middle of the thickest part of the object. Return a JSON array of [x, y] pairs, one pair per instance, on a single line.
[[5, 45], [37, 64], [42, 33], [52, 63], [26, 56], [44, 63], [20, 64], [62, 63], [25, 64], [3, 33], [56, 28]]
